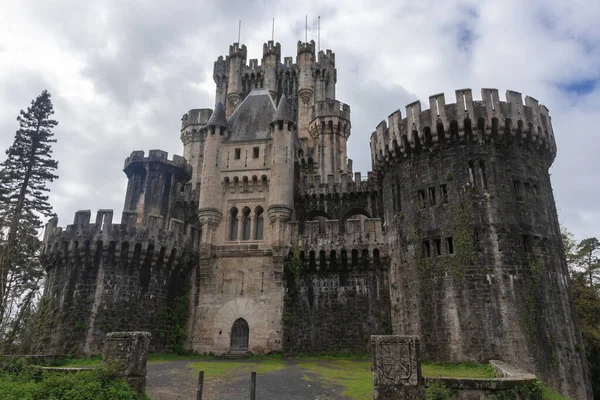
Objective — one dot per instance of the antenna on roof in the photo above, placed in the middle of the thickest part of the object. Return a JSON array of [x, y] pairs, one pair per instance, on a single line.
[[239, 30], [273, 30], [319, 33], [306, 28]]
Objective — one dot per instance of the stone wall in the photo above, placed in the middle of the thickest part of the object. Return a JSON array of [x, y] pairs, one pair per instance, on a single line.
[[108, 277], [332, 311], [478, 269], [241, 282]]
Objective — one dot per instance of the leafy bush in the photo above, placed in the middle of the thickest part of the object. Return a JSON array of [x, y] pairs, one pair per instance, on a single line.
[[21, 382]]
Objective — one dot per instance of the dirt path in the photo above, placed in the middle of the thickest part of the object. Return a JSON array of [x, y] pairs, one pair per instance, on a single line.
[[172, 380]]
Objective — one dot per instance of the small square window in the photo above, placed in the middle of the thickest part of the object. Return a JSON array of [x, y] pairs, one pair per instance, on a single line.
[[431, 191], [426, 249], [444, 190], [450, 245], [255, 152], [421, 198], [238, 153], [438, 247]]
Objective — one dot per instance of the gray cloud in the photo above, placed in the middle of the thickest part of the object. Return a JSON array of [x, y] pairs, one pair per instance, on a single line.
[[122, 74]]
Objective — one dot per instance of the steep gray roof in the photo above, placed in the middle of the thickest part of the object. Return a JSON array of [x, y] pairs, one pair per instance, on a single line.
[[218, 117], [284, 112], [251, 119]]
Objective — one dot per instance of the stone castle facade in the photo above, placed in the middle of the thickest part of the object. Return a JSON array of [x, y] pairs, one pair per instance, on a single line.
[[262, 237]]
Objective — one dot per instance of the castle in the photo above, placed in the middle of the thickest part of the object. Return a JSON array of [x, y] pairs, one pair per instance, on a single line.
[[262, 238]]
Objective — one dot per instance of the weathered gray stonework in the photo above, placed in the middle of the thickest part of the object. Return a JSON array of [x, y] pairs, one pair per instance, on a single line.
[[126, 354], [477, 265], [396, 367], [453, 236]]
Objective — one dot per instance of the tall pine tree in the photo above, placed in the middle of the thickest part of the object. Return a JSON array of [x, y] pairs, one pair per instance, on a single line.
[[23, 187]]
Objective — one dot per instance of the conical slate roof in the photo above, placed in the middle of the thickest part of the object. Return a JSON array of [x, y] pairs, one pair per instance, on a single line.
[[283, 112], [251, 118], [218, 117]]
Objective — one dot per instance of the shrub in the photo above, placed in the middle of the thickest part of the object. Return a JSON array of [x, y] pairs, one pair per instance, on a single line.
[[31, 383]]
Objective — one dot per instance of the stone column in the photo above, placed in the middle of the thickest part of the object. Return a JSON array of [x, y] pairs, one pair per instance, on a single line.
[[252, 226], [240, 227], [396, 367], [126, 353]]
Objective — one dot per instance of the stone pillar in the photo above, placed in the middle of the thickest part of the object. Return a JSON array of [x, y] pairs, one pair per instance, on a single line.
[[253, 226], [126, 353], [240, 227], [396, 367]]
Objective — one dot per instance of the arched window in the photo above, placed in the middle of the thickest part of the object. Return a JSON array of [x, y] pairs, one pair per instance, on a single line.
[[344, 259], [354, 257], [312, 263], [246, 222], [260, 223], [233, 223]]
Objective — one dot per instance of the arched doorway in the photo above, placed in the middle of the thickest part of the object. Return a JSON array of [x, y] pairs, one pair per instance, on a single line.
[[239, 335]]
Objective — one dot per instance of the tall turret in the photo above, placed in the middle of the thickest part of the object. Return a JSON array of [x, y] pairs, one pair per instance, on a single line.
[[154, 182], [211, 191], [220, 75], [281, 194], [306, 85], [270, 63], [193, 141], [330, 128], [237, 61], [325, 76]]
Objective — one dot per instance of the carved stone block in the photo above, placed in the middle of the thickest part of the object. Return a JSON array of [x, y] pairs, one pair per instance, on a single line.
[[396, 367]]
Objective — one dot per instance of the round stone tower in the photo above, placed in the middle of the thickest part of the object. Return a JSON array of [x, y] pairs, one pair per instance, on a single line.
[[281, 195], [270, 64], [211, 190], [477, 264], [237, 61]]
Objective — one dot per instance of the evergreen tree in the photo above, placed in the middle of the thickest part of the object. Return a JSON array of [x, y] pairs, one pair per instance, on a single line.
[[23, 192]]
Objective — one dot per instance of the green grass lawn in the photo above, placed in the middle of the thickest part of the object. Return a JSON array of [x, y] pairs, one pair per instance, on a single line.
[[353, 374]]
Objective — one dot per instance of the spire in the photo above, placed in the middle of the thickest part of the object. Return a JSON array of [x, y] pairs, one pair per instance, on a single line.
[[283, 113], [218, 117]]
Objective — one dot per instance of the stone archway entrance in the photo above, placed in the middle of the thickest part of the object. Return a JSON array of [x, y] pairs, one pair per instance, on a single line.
[[239, 335]]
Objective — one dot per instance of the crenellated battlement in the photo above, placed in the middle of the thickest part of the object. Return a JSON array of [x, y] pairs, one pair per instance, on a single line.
[[271, 48], [314, 184], [122, 237], [471, 120], [326, 57], [196, 117], [330, 116], [306, 47], [136, 159], [235, 50]]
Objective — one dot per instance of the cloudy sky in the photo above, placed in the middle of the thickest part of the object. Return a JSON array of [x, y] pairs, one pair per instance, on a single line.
[[122, 73]]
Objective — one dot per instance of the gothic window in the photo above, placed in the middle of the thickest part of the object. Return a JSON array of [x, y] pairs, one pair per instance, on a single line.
[[233, 224], [260, 223], [246, 222]]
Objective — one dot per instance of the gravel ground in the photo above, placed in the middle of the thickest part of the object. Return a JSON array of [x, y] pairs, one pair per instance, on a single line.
[[172, 380]]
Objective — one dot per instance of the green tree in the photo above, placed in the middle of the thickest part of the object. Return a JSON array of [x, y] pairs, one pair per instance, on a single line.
[[582, 259], [24, 176]]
